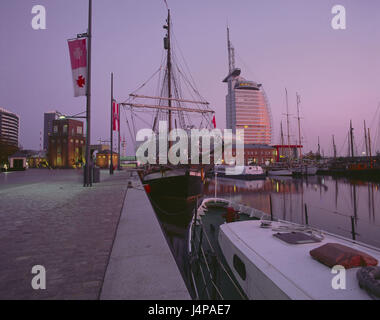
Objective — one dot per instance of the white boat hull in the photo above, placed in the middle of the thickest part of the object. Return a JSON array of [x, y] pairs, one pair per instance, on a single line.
[[281, 172], [276, 270]]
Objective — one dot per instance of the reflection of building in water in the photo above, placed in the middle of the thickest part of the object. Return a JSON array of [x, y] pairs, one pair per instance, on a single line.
[[230, 186]]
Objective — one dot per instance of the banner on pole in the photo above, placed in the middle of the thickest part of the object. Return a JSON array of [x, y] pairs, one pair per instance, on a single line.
[[115, 116], [78, 57], [214, 122]]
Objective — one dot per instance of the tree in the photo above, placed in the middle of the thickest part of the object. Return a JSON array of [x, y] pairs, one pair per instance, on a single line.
[[6, 150]]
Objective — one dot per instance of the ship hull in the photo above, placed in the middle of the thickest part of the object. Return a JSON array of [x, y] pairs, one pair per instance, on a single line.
[[180, 184], [248, 177]]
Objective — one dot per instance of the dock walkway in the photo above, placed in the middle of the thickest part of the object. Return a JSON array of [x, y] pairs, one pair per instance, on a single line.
[[141, 265]]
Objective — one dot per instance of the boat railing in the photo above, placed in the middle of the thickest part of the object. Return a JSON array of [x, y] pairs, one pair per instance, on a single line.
[[207, 269]]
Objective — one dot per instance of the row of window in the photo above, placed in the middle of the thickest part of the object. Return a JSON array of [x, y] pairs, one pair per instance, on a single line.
[[65, 141], [251, 153], [65, 129]]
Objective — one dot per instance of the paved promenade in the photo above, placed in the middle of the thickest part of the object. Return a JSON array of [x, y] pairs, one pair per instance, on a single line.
[[142, 266], [47, 218]]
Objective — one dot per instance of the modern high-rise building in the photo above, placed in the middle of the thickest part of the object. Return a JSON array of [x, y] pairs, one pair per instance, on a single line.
[[9, 127], [49, 117], [247, 106]]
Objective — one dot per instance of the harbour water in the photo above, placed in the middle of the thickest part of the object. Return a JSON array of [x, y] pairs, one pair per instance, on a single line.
[[333, 205]]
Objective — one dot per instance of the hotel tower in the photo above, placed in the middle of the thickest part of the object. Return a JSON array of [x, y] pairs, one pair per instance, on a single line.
[[247, 106]]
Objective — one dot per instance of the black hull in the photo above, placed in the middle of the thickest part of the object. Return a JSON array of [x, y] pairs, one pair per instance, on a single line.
[[246, 177], [181, 186]]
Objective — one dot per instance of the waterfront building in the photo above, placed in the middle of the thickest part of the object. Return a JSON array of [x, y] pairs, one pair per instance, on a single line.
[[103, 159], [17, 161], [9, 127], [66, 144], [49, 117], [247, 106], [258, 154], [286, 152]]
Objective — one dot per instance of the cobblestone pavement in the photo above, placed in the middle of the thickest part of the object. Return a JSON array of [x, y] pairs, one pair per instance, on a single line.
[[48, 218]]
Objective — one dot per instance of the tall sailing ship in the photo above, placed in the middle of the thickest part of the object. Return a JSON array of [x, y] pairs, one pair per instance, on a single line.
[[170, 103]]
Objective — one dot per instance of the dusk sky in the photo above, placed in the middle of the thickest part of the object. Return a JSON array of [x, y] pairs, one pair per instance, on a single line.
[[279, 43]]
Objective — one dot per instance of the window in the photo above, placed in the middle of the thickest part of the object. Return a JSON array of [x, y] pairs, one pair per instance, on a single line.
[[239, 267], [55, 129], [79, 130], [65, 128]]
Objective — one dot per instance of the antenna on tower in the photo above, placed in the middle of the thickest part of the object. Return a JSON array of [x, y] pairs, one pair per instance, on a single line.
[[231, 52]]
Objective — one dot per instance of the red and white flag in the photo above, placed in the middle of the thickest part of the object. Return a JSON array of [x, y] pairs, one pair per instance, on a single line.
[[115, 116], [78, 57], [214, 121]]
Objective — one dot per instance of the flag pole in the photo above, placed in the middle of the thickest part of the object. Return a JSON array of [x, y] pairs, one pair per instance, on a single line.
[[87, 171], [118, 149], [111, 132]]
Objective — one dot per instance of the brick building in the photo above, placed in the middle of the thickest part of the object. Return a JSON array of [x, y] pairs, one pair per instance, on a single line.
[[103, 159], [67, 144], [258, 154]]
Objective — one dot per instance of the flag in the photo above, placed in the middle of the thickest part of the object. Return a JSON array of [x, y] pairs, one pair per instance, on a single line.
[[214, 121], [78, 57], [115, 116]]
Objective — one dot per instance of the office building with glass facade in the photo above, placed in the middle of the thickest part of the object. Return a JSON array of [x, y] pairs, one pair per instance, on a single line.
[[247, 108]]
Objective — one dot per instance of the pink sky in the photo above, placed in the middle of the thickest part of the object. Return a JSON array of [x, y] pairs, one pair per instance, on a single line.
[[278, 43]]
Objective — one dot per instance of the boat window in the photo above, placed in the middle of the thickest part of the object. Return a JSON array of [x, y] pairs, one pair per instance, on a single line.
[[239, 267]]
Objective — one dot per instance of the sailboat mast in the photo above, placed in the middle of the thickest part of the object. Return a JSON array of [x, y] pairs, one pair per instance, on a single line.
[[299, 124], [169, 71], [287, 123], [282, 138], [366, 139], [352, 139], [319, 147], [334, 146], [369, 146]]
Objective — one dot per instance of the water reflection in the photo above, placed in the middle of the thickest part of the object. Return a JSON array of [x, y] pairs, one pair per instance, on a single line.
[[174, 216], [330, 203]]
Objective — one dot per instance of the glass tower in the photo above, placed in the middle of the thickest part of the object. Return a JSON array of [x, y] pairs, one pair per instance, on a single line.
[[247, 106]]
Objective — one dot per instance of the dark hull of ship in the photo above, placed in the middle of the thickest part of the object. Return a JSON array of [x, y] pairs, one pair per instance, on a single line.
[[179, 184], [247, 177]]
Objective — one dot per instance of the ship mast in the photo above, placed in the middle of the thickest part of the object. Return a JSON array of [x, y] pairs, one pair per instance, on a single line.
[[299, 123], [365, 139], [282, 138], [169, 71], [334, 146], [352, 139], [287, 123]]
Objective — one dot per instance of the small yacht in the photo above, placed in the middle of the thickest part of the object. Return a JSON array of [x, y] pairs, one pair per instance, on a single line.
[[249, 173], [238, 252], [279, 170]]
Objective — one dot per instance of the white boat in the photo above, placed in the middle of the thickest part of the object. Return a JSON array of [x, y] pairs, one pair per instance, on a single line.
[[248, 173], [264, 266], [307, 170], [279, 172], [275, 269]]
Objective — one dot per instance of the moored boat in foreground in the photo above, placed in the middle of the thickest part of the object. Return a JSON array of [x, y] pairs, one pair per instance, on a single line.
[[268, 259]]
